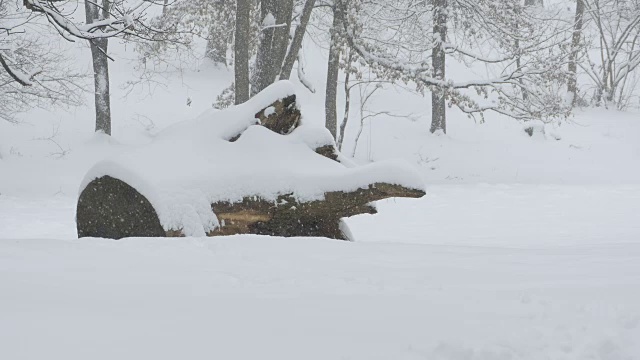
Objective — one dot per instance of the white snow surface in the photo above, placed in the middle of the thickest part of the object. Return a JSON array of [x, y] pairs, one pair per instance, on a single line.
[[524, 248], [191, 165], [248, 297]]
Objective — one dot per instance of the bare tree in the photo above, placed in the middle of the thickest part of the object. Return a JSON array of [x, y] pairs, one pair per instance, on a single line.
[[296, 42], [438, 59], [333, 70], [96, 13], [104, 19], [617, 24], [241, 60], [410, 42], [572, 82], [34, 72]]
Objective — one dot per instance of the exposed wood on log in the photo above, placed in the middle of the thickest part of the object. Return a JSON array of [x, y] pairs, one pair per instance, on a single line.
[[288, 217], [109, 208], [328, 151], [283, 118]]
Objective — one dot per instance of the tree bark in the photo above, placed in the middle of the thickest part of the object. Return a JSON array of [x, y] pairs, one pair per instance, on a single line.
[[274, 41], [572, 83], [296, 42], [347, 103], [331, 94], [534, 2], [438, 95], [281, 37], [100, 67], [264, 59], [241, 49]]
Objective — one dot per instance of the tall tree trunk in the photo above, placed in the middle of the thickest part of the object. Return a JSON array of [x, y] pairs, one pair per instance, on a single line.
[[572, 83], [296, 42], [281, 36], [100, 66], [333, 69], [438, 96], [264, 58], [347, 103], [241, 49], [274, 41]]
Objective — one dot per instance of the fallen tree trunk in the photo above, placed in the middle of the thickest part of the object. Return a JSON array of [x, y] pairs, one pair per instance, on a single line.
[[109, 207]]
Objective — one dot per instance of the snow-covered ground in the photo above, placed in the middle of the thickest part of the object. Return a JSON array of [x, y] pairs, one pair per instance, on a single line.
[[524, 247], [248, 297]]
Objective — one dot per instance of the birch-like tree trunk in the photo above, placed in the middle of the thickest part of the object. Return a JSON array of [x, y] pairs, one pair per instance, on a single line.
[[96, 11], [572, 83], [438, 98], [241, 48], [333, 69]]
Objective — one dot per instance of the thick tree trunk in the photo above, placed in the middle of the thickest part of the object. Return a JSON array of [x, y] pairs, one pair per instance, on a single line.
[[572, 83], [264, 60], [438, 96], [281, 36], [296, 42], [100, 67], [274, 41], [241, 48], [333, 69]]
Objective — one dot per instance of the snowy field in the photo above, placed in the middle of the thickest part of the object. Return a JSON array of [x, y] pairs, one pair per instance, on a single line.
[[469, 272], [524, 247]]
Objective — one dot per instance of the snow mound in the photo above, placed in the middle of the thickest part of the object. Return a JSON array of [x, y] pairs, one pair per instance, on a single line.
[[192, 164]]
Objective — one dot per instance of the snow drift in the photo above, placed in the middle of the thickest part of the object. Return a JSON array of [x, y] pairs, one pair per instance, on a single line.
[[193, 164]]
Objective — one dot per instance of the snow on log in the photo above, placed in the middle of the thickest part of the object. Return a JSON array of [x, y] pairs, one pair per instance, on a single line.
[[254, 168]]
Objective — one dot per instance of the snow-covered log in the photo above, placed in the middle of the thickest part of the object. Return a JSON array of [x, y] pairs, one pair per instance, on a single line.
[[254, 168]]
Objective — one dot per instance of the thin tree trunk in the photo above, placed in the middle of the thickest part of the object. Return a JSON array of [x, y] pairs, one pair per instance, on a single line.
[[330, 104], [438, 96], [347, 103], [164, 6], [241, 48], [525, 94], [572, 83], [296, 42], [100, 67]]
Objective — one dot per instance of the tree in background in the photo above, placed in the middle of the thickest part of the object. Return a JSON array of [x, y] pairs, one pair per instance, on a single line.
[[97, 12], [413, 42], [616, 25], [104, 19], [34, 73]]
